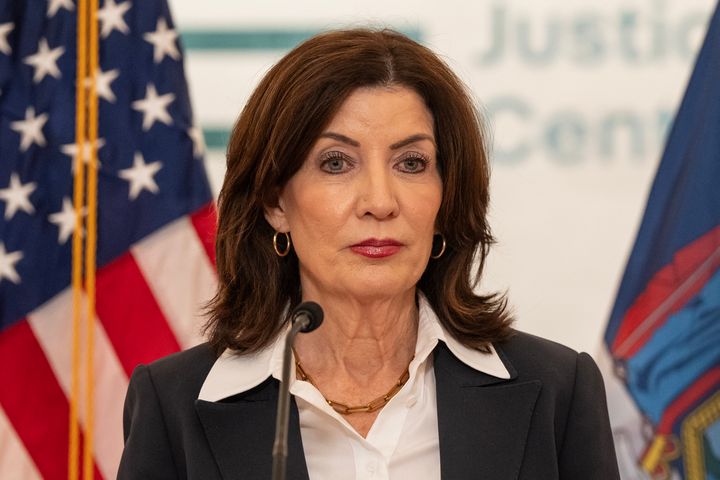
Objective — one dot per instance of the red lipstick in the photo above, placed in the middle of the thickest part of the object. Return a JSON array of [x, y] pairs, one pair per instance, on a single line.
[[377, 248]]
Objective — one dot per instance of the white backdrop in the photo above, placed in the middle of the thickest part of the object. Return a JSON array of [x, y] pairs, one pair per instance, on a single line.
[[579, 97]]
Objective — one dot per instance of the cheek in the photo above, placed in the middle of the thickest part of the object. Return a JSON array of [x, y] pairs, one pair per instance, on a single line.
[[424, 207], [316, 214]]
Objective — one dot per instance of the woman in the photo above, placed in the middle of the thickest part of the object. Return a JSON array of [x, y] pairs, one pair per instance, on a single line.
[[358, 178]]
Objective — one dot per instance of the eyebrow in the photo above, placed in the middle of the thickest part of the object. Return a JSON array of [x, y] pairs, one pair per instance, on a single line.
[[402, 143]]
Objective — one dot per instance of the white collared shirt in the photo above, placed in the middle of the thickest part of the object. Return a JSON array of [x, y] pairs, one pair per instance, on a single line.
[[403, 441]]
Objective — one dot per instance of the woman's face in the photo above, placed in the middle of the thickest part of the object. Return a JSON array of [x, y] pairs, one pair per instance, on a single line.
[[361, 210]]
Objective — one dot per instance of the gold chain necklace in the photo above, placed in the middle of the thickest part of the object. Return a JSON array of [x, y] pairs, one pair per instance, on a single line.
[[369, 407]]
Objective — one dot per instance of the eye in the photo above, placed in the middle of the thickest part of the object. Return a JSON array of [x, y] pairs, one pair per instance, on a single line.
[[413, 163], [335, 162]]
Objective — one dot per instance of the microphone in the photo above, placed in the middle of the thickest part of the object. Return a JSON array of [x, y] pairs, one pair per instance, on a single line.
[[309, 315], [305, 318]]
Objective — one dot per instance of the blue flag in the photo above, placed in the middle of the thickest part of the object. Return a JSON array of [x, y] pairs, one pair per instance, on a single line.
[[664, 329]]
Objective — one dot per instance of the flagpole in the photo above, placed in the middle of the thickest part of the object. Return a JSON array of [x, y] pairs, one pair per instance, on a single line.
[[77, 247], [91, 242]]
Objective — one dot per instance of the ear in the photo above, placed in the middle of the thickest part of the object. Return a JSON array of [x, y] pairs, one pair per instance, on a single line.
[[276, 217]]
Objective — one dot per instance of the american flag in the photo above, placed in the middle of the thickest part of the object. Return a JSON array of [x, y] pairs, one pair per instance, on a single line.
[[155, 222]]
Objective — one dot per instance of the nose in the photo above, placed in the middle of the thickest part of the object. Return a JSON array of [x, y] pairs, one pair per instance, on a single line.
[[377, 195]]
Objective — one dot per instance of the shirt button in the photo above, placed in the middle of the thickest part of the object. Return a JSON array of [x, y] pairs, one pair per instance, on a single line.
[[370, 466], [412, 400]]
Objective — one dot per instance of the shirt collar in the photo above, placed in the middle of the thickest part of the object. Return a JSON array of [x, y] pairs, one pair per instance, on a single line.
[[232, 373]]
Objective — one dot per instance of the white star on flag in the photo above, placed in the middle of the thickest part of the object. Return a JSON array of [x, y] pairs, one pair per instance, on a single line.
[[7, 264], [30, 129], [154, 107], [55, 5], [71, 149], [102, 84], [163, 40], [65, 220], [5, 29], [17, 196], [45, 61], [140, 176], [111, 17], [196, 135]]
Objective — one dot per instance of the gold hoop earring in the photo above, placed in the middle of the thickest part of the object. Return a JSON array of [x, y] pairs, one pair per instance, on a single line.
[[442, 249], [288, 244]]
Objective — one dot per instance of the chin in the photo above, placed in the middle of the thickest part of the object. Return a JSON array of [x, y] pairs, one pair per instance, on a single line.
[[375, 287], [363, 283]]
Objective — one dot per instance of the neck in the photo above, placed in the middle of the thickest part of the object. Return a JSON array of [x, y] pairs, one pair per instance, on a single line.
[[361, 339]]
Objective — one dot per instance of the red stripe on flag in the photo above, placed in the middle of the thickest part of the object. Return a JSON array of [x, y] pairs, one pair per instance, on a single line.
[[132, 318], [34, 402], [205, 223], [667, 292], [703, 385]]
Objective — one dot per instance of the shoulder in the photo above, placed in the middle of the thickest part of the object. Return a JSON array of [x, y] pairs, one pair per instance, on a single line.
[[177, 376], [161, 395], [159, 420], [197, 359], [558, 367], [529, 352], [571, 410]]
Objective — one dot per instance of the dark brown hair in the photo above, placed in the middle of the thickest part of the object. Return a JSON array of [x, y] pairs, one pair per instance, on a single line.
[[270, 141]]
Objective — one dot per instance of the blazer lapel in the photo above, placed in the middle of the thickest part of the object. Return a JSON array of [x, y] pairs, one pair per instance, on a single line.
[[483, 421], [241, 430]]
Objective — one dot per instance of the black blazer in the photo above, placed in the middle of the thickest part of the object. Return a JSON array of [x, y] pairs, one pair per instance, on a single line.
[[548, 421]]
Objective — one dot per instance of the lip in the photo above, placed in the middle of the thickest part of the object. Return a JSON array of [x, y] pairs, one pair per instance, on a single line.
[[377, 248]]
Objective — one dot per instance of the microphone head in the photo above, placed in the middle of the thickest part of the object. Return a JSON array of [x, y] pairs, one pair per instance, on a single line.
[[310, 310]]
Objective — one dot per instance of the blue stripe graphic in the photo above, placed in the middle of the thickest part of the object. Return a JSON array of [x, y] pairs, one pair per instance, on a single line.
[[256, 39]]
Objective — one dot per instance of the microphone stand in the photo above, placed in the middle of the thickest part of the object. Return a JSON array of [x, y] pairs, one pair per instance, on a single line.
[[280, 452], [307, 317]]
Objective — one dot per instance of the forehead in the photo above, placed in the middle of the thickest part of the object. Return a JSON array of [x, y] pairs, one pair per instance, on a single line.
[[389, 109]]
